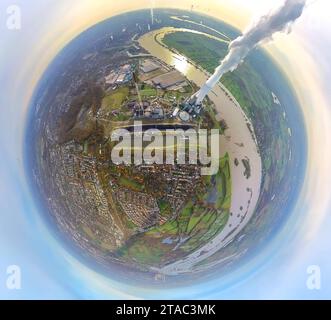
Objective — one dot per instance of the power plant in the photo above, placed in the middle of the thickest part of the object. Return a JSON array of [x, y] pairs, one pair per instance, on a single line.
[[194, 104], [279, 20]]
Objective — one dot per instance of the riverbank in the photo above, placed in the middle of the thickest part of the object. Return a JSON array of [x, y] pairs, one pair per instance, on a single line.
[[239, 142]]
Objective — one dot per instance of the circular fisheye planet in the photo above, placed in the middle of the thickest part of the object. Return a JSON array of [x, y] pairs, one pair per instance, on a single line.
[[160, 213]]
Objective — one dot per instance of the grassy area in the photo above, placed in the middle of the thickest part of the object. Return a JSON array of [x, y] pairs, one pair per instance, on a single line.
[[88, 232], [142, 252], [130, 224], [205, 229], [224, 183], [115, 99], [105, 246], [148, 92], [219, 194], [130, 184], [192, 223], [165, 208], [196, 47], [121, 117]]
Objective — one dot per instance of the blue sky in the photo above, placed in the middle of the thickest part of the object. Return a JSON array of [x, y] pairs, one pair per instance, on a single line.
[[48, 271]]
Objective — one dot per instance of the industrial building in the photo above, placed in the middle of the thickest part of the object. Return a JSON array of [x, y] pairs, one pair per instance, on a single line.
[[167, 80], [149, 66], [120, 76]]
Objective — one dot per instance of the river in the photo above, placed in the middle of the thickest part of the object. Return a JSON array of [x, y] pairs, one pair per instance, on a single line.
[[239, 142]]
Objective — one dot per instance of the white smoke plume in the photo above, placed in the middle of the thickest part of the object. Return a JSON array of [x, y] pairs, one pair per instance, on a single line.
[[152, 10], [279, 20]]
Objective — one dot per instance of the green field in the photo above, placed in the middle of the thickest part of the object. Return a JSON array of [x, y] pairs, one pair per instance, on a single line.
[[165, 208], [115, 99], [196, 48], [224, 184], [130, 184], [148, 92]]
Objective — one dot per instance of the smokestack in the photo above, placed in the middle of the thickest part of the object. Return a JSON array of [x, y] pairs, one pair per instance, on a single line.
[[279, 20]]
